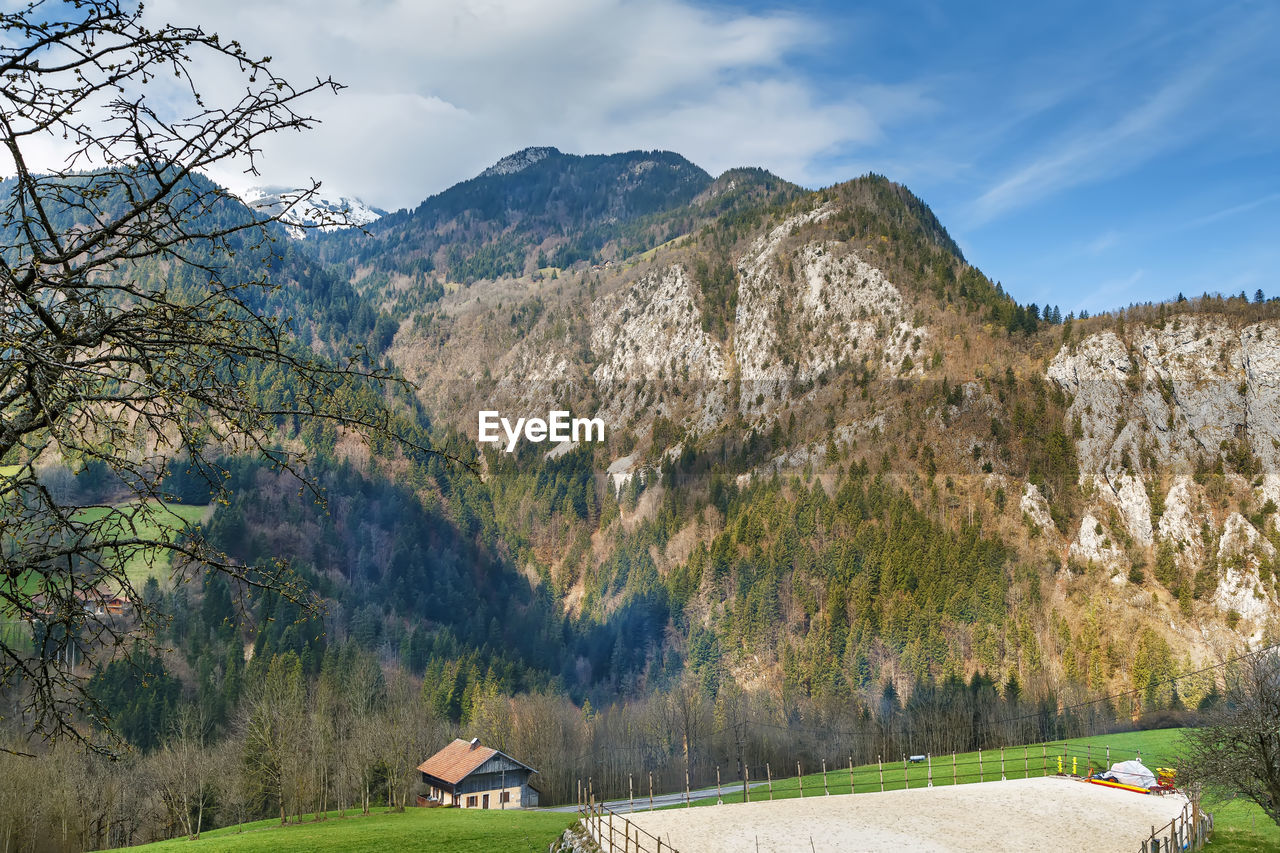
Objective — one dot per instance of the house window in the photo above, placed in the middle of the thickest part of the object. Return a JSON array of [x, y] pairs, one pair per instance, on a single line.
[[506, 797], [471, 802]]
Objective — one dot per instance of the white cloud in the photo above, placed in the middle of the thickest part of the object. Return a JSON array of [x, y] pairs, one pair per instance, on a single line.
[[1233, 210], [437, 91], [1150, 116]]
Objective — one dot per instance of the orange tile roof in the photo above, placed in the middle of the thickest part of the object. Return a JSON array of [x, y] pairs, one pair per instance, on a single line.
[[456, 761]]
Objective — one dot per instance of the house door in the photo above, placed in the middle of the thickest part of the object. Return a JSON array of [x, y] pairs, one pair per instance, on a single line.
[[486, 801]]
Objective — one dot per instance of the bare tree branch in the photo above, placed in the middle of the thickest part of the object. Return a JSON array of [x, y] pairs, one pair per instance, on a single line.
[[134, 294]]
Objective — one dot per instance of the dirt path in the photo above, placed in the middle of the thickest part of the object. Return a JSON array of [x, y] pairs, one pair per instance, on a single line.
[[1018, 815]]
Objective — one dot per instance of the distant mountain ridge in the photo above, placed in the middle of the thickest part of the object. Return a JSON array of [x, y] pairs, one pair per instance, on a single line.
[[540, 208], [518, 161], [321, 210]]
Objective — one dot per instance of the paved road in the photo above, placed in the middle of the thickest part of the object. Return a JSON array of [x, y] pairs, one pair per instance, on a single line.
[[659, 800]]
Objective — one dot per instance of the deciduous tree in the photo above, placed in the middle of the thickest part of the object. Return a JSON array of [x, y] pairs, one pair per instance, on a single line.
[[106, 364], [1236, 751]]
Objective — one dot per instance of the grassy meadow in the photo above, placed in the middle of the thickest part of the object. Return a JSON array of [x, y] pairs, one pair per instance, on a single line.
[[139, 566], [160, 526], [434, 830]]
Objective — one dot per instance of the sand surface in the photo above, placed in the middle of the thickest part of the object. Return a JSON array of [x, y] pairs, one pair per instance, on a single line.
[[1018, 815]]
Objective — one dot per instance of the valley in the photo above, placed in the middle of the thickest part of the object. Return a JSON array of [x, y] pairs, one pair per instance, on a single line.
[[847, 498]]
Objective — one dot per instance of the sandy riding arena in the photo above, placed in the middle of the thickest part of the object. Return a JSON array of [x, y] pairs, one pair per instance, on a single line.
[[1018, 815]]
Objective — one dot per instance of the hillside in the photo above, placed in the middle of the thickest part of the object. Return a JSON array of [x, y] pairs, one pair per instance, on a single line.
[[533, 213], [837, 455], [1089, 501]]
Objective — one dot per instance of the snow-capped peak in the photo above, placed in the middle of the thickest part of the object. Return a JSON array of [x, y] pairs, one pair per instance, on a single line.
[[522, 159], [319, 210]]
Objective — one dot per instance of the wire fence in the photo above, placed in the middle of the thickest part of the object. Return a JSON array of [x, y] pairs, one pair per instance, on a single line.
[[767, 781], [614, 832], [1190, 830]]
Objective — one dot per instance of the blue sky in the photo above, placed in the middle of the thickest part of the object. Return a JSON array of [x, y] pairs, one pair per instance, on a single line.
[[1085, 155], [1096, 155]]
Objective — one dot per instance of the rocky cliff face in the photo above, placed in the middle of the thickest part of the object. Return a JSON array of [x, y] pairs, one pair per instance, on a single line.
[[1188, 394], [804, 311], [842, 342], [650, 332], [1179, 391]]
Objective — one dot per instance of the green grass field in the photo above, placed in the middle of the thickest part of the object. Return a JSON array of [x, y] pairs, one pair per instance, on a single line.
[[434, 830], [1239, 826], [138, 568], [160, 526]]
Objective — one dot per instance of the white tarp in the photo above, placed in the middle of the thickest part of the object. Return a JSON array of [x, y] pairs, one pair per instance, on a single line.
[[1131, 773]]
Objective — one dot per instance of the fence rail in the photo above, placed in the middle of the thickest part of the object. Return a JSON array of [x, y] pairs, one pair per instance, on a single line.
[[614, 833], [1190, 830], [838, 775]]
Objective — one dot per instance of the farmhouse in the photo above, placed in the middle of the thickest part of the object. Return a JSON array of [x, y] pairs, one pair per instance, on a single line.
[[472, 776]]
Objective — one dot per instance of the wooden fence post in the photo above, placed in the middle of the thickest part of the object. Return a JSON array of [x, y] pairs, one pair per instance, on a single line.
[[631, 791], [825, 790], [880, 762], [980, 779], [769, 773], [800, 779], [928, 756], [746, 783], [719, 796], [954, 779], [1044, 760], [650, 790], [1026, 766], [906, 780], [1002, 776], [851, 790], [686, 786]]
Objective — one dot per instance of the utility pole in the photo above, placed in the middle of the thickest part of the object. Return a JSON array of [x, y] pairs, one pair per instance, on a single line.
[[739, 737]]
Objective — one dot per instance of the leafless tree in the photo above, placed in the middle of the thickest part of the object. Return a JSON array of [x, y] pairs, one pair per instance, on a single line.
[[183, 771], [273, 728], [409, 733], [235, 787], [356, 730], [1236, 750], [102, 360]]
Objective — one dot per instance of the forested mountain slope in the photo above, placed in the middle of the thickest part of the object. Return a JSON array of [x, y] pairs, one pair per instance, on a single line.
[[838, 459], [838, 455]]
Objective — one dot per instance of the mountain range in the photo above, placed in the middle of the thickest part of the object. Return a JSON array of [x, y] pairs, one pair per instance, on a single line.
[[838, 458], [837, 453]]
